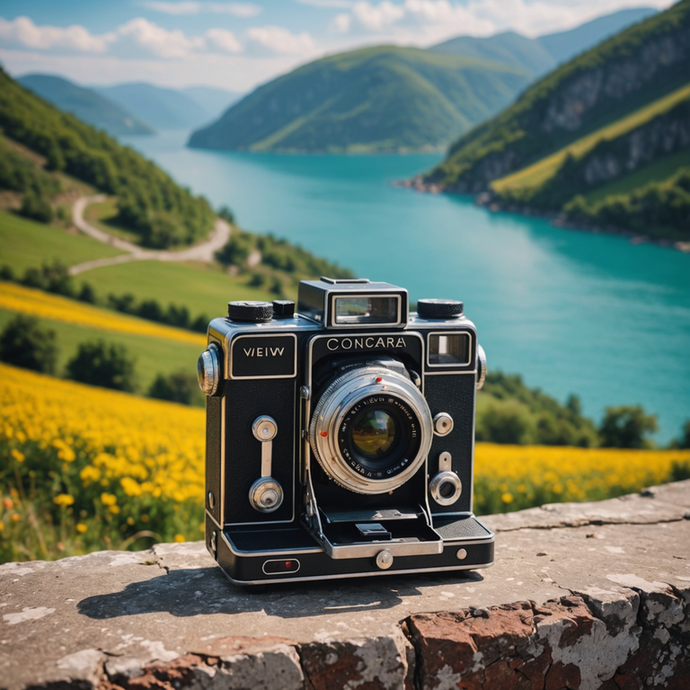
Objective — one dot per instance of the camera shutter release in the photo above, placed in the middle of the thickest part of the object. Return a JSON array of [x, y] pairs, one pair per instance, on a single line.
[[250, 312], [439, 308]]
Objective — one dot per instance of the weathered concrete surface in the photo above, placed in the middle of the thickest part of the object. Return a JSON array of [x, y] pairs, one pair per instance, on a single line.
[[581, 596]]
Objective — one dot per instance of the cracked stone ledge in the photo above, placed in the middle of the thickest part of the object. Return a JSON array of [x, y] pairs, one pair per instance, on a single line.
[[593, 595]]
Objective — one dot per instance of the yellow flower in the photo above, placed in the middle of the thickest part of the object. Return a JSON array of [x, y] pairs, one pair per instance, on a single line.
[[114, 509], [130, 486], [81, 527], [179, 538], [507, 497], [64, 500], [108, 499], [17, 455]]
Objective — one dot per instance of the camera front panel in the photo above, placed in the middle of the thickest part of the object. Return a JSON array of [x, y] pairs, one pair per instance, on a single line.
[[450, 390]]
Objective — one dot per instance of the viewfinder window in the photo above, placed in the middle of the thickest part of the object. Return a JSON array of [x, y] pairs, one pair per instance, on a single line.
[[446, 349], [367, 310]]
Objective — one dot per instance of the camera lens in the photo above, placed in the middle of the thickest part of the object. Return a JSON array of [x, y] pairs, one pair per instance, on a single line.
[[371, 429], [373, 434]]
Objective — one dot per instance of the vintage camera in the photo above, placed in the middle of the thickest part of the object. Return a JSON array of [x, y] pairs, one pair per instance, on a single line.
[[340, 439]]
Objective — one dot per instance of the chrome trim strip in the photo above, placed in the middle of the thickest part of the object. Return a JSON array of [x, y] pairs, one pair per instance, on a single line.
[[239, 336], [357, 575], [450, 373], [221, 511], [213, 520], [317, 549]]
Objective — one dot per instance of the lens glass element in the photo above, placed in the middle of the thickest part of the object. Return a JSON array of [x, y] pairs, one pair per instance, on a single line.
[[373, 433]]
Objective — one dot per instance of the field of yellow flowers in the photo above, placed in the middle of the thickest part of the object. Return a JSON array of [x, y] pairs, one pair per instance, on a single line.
[[84, 468]]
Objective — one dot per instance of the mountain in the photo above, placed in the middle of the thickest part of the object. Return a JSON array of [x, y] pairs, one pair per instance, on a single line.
[[604, 137], [162, 108], [510, 48], [85, 103], [214, 101], [565, 45], [540, 55], [384, 98]]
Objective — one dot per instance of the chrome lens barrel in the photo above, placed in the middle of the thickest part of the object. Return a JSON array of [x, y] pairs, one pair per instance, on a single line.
[[371, 430]]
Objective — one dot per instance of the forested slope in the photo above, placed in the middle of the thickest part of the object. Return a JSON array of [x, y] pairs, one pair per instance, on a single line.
[[150, 202], [385, 98]]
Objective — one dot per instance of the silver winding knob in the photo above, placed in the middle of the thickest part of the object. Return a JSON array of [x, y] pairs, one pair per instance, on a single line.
[[208, 370], [266, 495], [481, 367]]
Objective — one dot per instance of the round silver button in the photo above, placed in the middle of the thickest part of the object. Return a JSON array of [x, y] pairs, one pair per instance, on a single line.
[[461, 554], [443, 424], [384, 559], [264, 428], [266, 495]]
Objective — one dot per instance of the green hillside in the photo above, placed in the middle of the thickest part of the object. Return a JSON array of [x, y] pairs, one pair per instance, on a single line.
[[85, 103], [375, 99], [639, 65], [509, 47], [149, 201]]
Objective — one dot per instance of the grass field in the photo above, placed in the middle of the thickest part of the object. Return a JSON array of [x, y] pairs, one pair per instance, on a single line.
[[536, 174], [158, 349], [657, 171], [103, 214], [201, 290], [84, 468], [25, 243]]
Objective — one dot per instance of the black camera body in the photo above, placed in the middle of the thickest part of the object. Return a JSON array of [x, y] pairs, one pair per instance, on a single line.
[[340, 439]]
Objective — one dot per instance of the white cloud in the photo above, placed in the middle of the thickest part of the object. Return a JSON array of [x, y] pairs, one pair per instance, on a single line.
[[328, 4], [340, 24], [140, 35], [23, 32], [238, 9], [281, 40], [224, 40], [377, 16]]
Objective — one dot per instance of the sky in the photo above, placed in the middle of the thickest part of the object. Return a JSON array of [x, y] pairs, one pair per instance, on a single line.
[[238, 45]]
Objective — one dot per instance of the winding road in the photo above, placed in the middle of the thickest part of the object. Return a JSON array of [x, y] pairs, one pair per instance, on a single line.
[[199, 252]]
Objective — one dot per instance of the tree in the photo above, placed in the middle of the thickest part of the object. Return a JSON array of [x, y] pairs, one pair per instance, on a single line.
[[180, 387], [25, 343], [627, 426], [101, 364], [684, 440], [36, 207]]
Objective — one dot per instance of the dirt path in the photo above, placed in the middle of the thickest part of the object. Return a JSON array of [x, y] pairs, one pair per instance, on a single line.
[[200, 252]]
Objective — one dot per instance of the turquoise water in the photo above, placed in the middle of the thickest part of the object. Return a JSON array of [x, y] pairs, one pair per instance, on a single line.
[[572, 312]]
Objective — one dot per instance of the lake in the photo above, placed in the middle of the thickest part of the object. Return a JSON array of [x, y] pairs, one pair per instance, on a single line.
[[572, 312]]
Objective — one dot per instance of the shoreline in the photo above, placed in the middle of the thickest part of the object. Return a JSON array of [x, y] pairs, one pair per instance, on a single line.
[[489, 201]]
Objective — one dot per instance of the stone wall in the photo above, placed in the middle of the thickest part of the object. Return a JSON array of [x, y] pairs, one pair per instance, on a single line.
[[581, 596]]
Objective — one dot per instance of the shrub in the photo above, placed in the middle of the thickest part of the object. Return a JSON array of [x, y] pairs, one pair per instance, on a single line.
[[36, 207], [25, 343], [101, 364], [627, 426], [179, 387]]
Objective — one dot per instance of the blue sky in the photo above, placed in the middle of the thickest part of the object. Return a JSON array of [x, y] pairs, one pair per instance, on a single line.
[[238, 45]]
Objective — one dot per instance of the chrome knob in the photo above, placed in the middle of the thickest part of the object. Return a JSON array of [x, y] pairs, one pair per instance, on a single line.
[[481, 367], [445, 488], [266, 495], [384, 559], [208, 370], [443, 424]]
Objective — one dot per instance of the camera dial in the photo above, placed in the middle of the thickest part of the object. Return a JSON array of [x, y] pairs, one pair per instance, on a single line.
[[371, 429]]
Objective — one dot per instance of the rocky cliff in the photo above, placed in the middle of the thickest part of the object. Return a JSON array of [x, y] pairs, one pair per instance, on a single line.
[[622, 74]]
